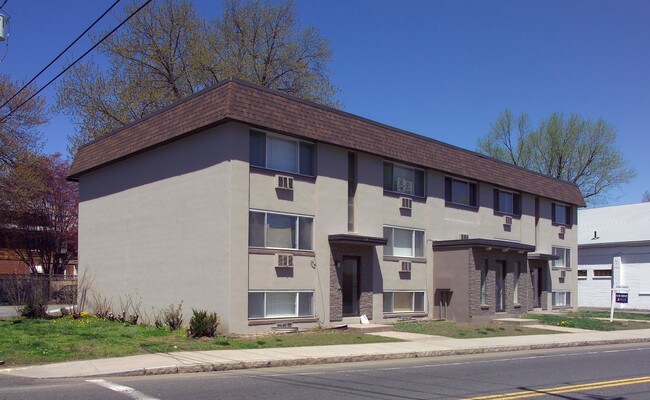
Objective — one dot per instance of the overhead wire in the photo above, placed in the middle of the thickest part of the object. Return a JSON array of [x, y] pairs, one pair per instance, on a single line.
[[60, 54], [78, 59]]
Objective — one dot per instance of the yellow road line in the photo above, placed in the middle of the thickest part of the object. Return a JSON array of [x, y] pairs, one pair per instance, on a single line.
[[565, 389]]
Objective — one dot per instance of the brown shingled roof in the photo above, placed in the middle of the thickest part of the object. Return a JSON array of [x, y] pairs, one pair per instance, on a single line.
[[234, 100]]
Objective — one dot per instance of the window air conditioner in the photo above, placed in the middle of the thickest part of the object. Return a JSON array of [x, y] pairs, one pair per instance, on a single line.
[[406, 203], [562, 274], [463, 236], [285, 182], [406, 266], [284, 260], [562, 230], [507, 220]]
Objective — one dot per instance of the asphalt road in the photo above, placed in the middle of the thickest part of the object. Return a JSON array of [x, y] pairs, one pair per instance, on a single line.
[[603, 372]]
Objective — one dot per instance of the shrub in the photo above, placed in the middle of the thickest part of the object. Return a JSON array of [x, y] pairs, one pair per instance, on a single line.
[[34, 309], [203, 324], [173, 316]]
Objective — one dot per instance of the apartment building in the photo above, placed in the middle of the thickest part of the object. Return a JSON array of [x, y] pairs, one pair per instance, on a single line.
[[269, 209]]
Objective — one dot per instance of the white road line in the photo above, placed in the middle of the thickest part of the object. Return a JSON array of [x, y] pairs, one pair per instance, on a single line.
[[132, 393]]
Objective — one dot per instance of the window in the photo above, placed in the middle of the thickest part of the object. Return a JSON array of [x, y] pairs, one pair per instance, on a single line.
[[403, 242], [602, 273], [582, 273], [280, 304], [561, 214], [515, 291], [507, 202], [281, 153], [461, 192], [281, 231], [561, 299], [565, 257], [396, 302], [401, 179], [484, 270]]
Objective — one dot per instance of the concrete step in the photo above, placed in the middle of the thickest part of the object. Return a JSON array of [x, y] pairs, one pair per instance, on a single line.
[[369, 328], [516, 321]]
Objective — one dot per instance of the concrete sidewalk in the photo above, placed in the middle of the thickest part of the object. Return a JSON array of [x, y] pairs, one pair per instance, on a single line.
[[221, 360]]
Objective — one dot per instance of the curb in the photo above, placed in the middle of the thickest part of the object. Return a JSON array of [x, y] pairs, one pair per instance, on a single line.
[[241, 365]]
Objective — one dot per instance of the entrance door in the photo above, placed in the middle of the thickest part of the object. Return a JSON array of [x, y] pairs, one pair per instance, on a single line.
[[350, 286], [500, 286], [536, 277]]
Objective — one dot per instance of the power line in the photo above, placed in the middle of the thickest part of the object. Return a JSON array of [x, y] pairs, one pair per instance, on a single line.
[[78, 59], [60, 54], [3, 4]]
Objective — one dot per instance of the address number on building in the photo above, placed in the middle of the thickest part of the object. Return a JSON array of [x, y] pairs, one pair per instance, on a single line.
[[621, 297]]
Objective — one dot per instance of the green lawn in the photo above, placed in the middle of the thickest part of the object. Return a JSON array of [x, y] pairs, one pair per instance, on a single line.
[[584, 322], [617, 314], [467, 330], [39, 341]]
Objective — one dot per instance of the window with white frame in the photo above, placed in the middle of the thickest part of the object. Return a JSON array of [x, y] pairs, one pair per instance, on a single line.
[[565, 257], [280, 231], [281, 153], [458, 191], [403, 242], [561, 214], [561, 299], [280, 304], [507, 202], [397, 302], [403, 179]]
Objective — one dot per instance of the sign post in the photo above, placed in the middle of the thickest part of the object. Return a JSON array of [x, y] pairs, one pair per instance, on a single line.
[[619, 295]]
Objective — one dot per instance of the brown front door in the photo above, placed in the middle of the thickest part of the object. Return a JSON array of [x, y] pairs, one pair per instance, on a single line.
[[351, 286]]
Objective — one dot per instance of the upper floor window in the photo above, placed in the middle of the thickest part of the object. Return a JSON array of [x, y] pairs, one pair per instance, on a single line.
[[281, 153], [507, 202], [561, 214], [461, 192], [402, 179], [280, 231], [565, 257], [403, 242]]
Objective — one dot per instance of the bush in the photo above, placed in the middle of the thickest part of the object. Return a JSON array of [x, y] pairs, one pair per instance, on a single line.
[[173, 317], [203, 324], [34, 309]]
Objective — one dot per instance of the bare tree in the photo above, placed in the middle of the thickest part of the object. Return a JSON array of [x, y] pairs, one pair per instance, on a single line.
[[571, 148], [646, 197], [168, 51]]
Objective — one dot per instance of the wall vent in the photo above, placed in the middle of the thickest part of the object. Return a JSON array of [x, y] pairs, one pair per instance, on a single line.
[[406, 203], [405, 266], [284, 260], [285, 182]]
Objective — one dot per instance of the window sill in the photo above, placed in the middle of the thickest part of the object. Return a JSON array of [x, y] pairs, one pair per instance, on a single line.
[[269, 171], [417, 260], [272, 321], [485, 307], [267, 250], [561, 224], [602, 278], [461, 206], [582, 278], [400, 194], [507, 214], [405, 314], [561, 269]]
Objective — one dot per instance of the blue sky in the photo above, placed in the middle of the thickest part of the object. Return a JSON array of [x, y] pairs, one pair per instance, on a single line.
[[444, 69]]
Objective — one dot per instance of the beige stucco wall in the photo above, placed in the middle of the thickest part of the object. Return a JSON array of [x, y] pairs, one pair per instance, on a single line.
[[158, 226], [171, 224]]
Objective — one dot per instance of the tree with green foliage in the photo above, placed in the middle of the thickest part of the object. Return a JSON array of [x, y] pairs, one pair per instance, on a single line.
[[168, 51], [570, 148]]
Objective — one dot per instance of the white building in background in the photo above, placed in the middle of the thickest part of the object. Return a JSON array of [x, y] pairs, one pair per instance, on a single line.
[[614, 250]]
